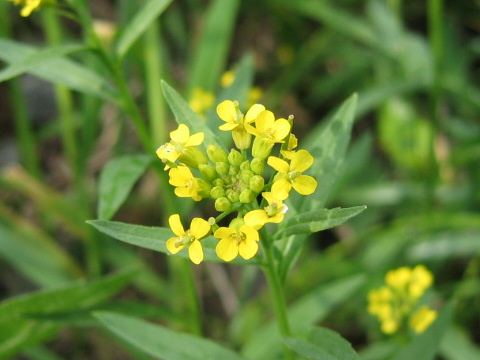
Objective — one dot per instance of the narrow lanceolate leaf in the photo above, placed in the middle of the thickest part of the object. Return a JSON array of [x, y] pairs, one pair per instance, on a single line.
[[155, 238], [60, 71], [322, 344], [426, 345], [318, 220], [117, 180], [41, 57], [266, 342], [185, 115], [162, 343], [139, 24], [211, 55]]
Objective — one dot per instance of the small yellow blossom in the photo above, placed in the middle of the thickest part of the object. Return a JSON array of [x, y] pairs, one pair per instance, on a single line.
[[182, 147], [186, 185], [227, 78], [254, 95], [30, 5], [290, 175], [268, 128], [199, 228], [235, 121], [201, 101], [236, 239], [273, 213], [422, 319]]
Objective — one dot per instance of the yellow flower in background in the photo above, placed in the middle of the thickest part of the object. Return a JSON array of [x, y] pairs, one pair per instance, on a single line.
[[186, 185], [30, 5], [236, 239], [393, 303], [227, 78], [181, 146], [201, 101], [290, 175], [199, 228], [254, 95], [273, 213]]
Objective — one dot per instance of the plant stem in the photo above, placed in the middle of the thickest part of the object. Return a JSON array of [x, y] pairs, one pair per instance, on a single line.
[[276, 292]]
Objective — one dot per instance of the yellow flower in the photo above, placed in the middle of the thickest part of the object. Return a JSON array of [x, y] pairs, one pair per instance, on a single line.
[[292, 144], [254, 95], [201, 101], [241, 239], [182, 147], [227, 78], [235, 121], [290, 175], [273, 213], [186, 185], [199, 228], [268, 128], [421, 280], [30, 5], [422, 319]]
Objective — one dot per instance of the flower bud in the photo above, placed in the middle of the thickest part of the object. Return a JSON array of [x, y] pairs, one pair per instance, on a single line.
[[246, 175], [192, 157], [236, 223], [208, 172], [222, 167], [223, 204], [241, 138], [217, 192], [256, 183], [233, 170], [262, 147], [216, 154], [233, 196], [246, 196], [235, 158], [203, 188], [257, 166], [218, 182], [245, 165]]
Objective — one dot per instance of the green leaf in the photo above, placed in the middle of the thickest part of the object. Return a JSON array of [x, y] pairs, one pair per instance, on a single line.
[[266, 342], [155, 238], [139, 24], [322, 344], [211, 55], [39, 58], [185, 115], [318, 220], [457, 345], [60, 71], [163, 343], [116, 181], [425, 345]]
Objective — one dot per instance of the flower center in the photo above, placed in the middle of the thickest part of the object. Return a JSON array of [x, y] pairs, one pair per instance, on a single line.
[[293, 174], [238, 237]]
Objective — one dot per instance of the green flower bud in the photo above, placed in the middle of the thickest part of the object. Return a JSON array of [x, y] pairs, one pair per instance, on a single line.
[[246, 196], [217, 192], [257, 183], [245, 165], [192, 157], [232, 195], [222, 167], [258, 166], [262, 147], [246, 175], [216, 154], [203, 188], [218, 182], [236, 223], [241, 138], [208, 172], [233, 170], [235, 158], [223, 204]]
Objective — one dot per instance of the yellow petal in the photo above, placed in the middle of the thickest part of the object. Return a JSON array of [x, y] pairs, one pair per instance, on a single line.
[[228, 126], [186, 192], [304, 184], [199, 228], [224, 232], [170, 244], [277, 218], [251, 129], [195, 139], [176, 225], [256, 218], [282, 128], [168, 151], [301, 161], [248, 249], [253, 112], [281, 188], [180, 135], [278, 164], [226, 111], [179, 176], [264, 121], [195, 252], [227, 249], [250, 233]]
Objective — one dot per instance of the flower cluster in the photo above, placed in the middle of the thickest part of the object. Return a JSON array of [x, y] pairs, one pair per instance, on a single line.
[[395, 303], [235, 180], [30, 5]]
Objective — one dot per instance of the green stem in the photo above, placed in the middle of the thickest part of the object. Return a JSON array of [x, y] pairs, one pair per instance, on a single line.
[[276, 292]]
